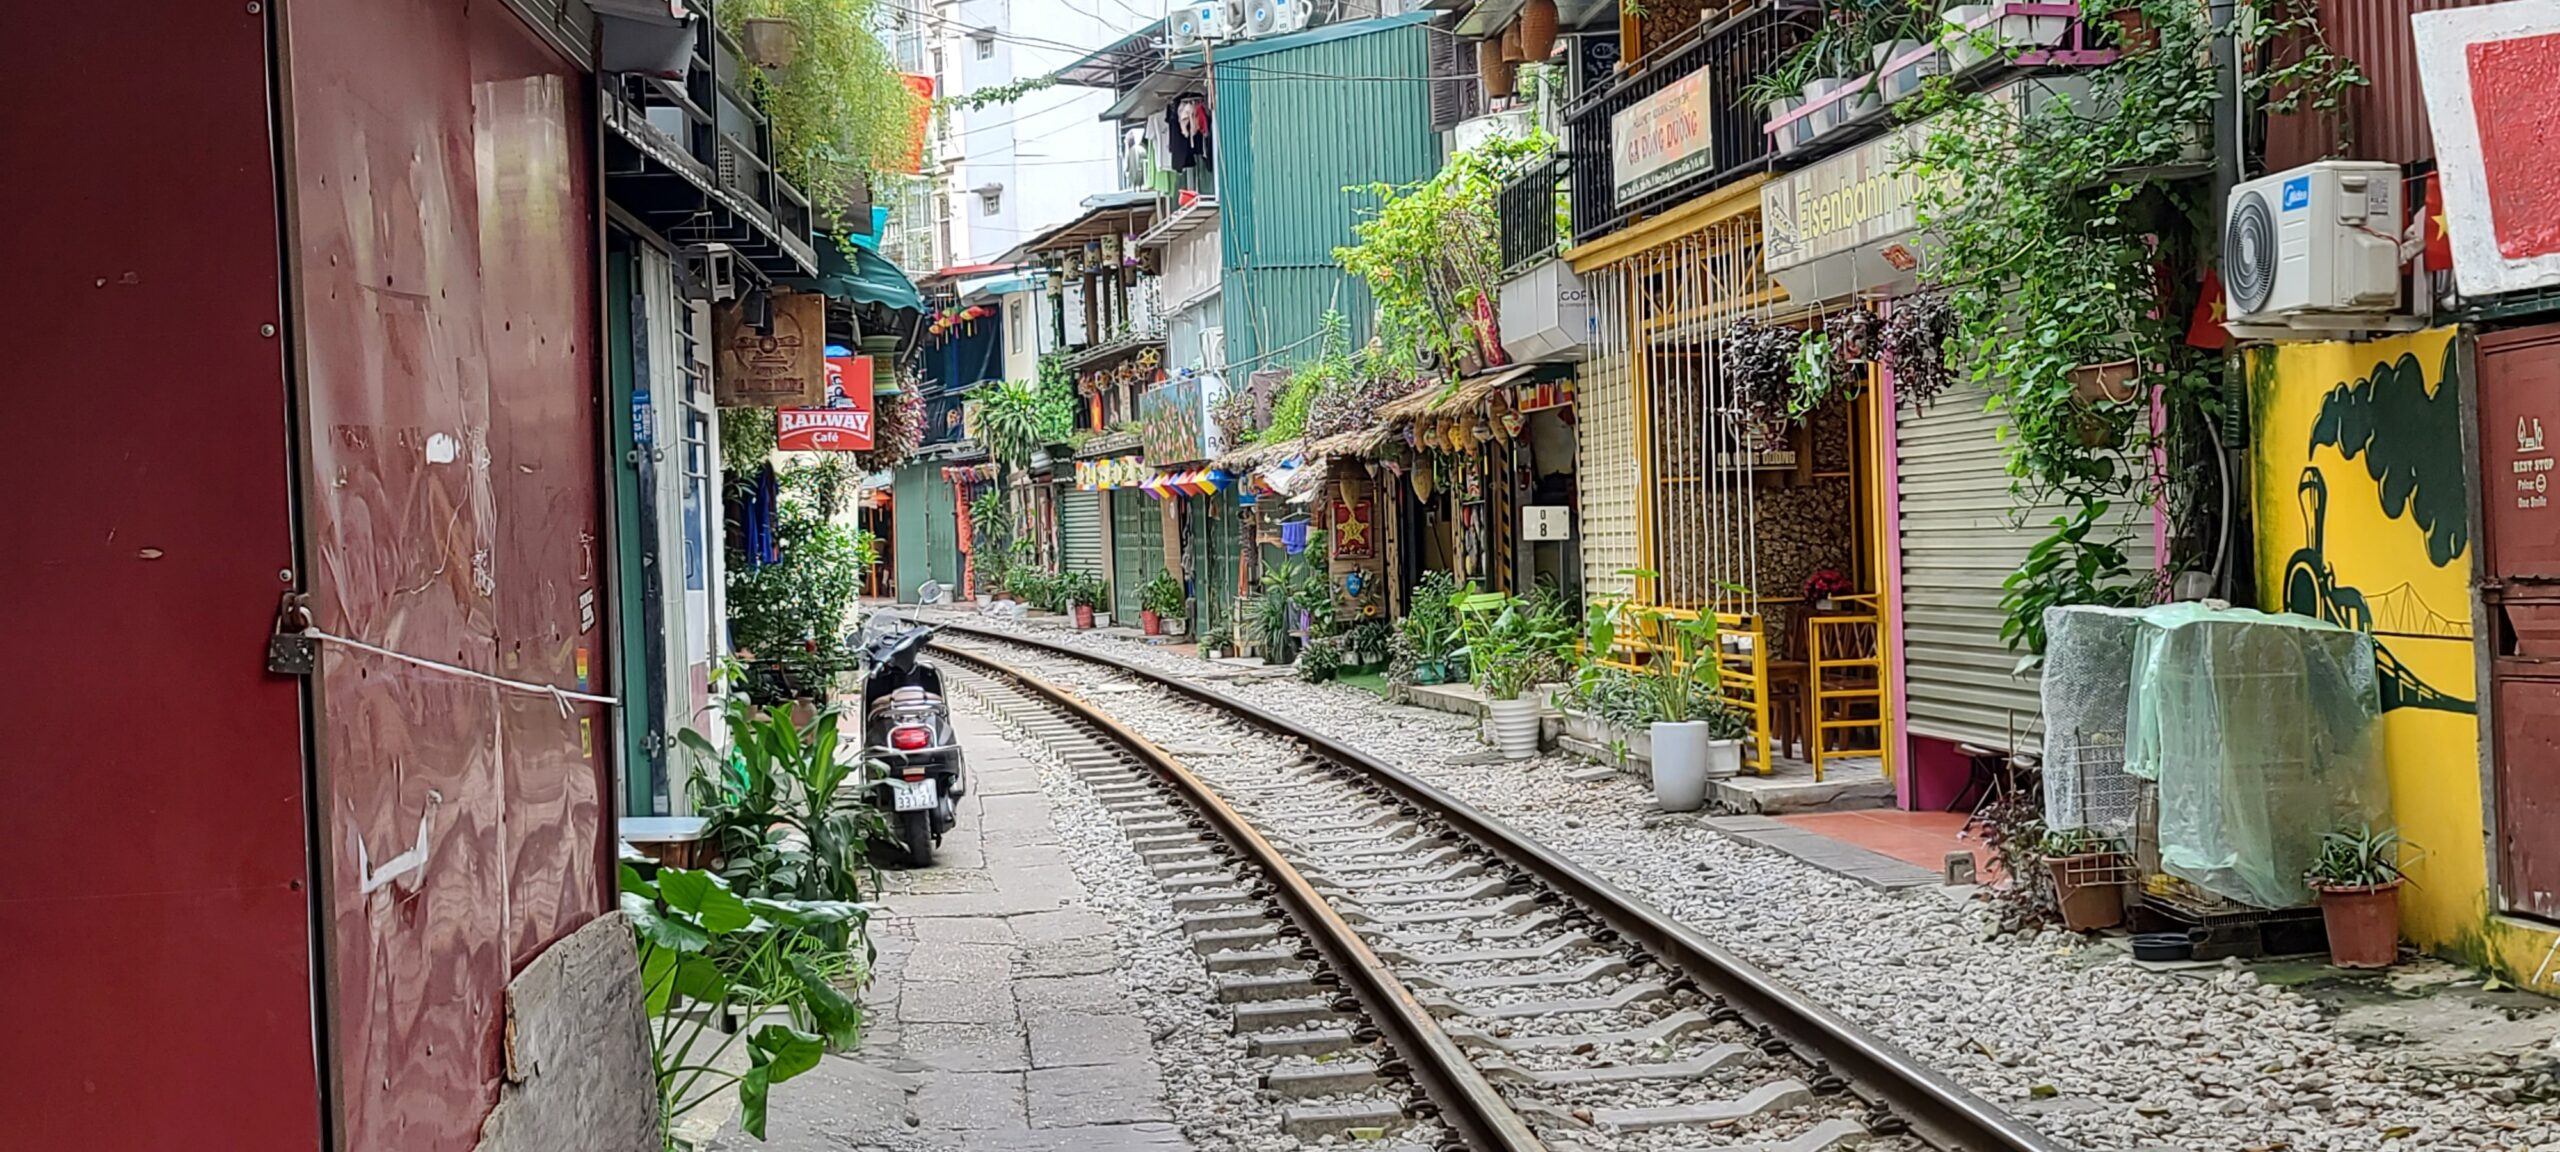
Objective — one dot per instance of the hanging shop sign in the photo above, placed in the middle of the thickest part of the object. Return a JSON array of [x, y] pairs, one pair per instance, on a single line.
[[844, 423], [1844, 225], [1112, 472], [783, 365], [1662, 139], [2487, 73]]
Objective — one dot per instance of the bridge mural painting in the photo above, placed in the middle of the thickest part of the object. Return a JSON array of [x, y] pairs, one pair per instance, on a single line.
[[2360, 493]]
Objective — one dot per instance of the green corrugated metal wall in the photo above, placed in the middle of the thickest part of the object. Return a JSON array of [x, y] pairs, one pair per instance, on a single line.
[[1284, 157]]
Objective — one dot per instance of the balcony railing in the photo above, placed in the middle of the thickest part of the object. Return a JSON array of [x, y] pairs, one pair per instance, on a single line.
[[1525, 217], [1731, 52]]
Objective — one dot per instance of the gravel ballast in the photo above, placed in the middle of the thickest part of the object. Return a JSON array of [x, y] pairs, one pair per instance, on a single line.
[[2072, 1035]]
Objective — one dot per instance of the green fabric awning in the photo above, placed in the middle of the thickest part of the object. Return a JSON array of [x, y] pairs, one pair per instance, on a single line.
[[866, 277]]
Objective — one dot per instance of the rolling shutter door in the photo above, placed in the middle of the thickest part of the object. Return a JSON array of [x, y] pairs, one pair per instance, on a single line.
[[1080, 532], [1959, 541]]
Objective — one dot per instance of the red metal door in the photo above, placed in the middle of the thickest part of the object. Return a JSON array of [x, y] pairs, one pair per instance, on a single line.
[[2519, 439], [154, 928], [444, 223]]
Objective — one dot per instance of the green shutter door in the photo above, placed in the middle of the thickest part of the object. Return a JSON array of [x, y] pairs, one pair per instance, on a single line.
[[1221, 551], [1080, 532], [1137, 550]]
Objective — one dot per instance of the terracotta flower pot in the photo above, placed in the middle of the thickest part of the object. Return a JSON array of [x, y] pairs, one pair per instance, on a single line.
[[2111, 382], [1084, 616], [1538, 29], [1512, 52], [1492, 69], [2363, 923], [2084, 886], [1151, 622]]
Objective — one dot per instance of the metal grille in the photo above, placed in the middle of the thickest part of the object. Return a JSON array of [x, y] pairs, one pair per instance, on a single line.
[[1695, 490], [1604, 422], [1525, 215], [1731, 53]]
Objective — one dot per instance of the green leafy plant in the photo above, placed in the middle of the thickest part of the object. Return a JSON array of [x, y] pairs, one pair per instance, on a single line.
[[1019, 417], [1217, 638], [1509, 643], [1430, 629], [1294, 586], [2296, 70], [2359, 857], [1162, 594], [1784, 80], [841, 111], [772, 801], [788, 618], [2063, 843], [1322, 659], [1368, 639], [2057, 232], [713, 963], [1431, 251], [1080, 589]]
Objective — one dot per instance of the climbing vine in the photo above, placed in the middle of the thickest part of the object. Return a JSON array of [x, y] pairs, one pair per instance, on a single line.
[[1000, 94], [2064, 241], [840, 111]]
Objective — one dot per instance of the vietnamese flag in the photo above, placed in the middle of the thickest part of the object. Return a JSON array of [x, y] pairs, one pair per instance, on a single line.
[[2205, 329], [2438, 256]]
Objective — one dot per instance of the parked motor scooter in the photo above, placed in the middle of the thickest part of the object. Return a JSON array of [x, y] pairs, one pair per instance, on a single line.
[[907, 729]]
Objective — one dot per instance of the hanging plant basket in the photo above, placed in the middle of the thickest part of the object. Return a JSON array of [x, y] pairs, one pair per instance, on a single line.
[[1493, 70], [1538, 29], [769, 42], [2108, 383]]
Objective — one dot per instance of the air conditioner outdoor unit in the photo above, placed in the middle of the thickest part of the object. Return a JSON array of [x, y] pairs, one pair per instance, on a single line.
[[2314, 250], [1275, 17], [1190, 23]]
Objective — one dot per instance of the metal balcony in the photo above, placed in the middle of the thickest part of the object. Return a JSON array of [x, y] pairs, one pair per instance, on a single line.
[[694, 160], [1525, 216], [1731, 51]]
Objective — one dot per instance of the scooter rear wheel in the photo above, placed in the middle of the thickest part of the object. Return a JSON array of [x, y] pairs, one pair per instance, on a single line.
[[916, 830]]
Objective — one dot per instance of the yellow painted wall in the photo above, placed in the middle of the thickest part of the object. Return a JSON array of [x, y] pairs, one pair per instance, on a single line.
[[2376, 428]]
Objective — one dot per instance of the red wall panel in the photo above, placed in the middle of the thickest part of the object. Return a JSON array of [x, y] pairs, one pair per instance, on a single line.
[[443, 210], [154, 925]]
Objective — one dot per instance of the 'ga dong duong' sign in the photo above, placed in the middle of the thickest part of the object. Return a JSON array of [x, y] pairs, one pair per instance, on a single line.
[[1662, 139]]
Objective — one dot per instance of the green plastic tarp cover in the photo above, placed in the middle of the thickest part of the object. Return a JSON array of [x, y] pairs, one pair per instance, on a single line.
[[2262, 733], [864, 277]]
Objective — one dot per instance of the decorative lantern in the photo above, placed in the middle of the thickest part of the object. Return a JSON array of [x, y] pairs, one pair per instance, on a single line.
[[1512, 52], [1538, 29], [1492, 69]]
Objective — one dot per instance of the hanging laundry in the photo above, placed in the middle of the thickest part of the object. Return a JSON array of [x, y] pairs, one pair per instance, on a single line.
[[1191, 121], [1177, 142]]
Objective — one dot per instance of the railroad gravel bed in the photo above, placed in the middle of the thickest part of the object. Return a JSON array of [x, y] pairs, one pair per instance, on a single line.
[[2093, 1049]]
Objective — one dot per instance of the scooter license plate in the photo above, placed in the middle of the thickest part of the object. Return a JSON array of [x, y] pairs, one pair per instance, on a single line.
[[913, 795]]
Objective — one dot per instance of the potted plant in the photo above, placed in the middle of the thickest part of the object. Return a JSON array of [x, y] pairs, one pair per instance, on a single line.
[[2088, 882], [1824, 588], [1509, 646], [651, 37], [1160, 598], [1216, 642], [1837, 65], [2358, 876], [1693, 733], [1779, 91], [1083, 593], [769, 42], [2109, 383]]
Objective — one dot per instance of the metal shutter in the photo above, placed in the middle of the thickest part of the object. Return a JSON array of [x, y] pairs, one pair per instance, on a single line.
[[1959, 541], [1605, 466], [1080, 532]]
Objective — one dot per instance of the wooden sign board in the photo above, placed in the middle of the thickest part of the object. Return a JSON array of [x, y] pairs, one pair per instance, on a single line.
[[784, 367]]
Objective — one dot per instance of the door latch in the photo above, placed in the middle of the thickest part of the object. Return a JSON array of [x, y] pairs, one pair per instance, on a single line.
[[289, 651]]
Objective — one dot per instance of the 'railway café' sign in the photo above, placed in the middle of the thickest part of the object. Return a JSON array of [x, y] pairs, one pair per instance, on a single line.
[[1662, 139], [1844, 225]]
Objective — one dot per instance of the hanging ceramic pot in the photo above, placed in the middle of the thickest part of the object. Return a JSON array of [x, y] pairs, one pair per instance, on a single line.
[[1492, 69], [1512, 53], [1538, 29]]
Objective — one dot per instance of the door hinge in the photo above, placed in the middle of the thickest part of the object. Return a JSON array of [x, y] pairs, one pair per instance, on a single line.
[[289, 651]]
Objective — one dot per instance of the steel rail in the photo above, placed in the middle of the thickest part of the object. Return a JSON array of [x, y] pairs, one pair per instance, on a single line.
[[1936, 1109], [1462, 1098]]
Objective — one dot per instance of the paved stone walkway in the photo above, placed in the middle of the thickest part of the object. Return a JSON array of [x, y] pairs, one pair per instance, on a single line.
[[998, 1023]]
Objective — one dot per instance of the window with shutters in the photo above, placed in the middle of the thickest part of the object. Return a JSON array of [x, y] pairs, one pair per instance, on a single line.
[[1455, 92]]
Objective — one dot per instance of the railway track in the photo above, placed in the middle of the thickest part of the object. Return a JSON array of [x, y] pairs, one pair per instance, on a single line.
[[1413, 966]]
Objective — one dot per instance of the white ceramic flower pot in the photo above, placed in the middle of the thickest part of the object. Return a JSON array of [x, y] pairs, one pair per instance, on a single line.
[[1515, 726], [1793, 136], [1680, 753], [1830, 117], [1724, 759]]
